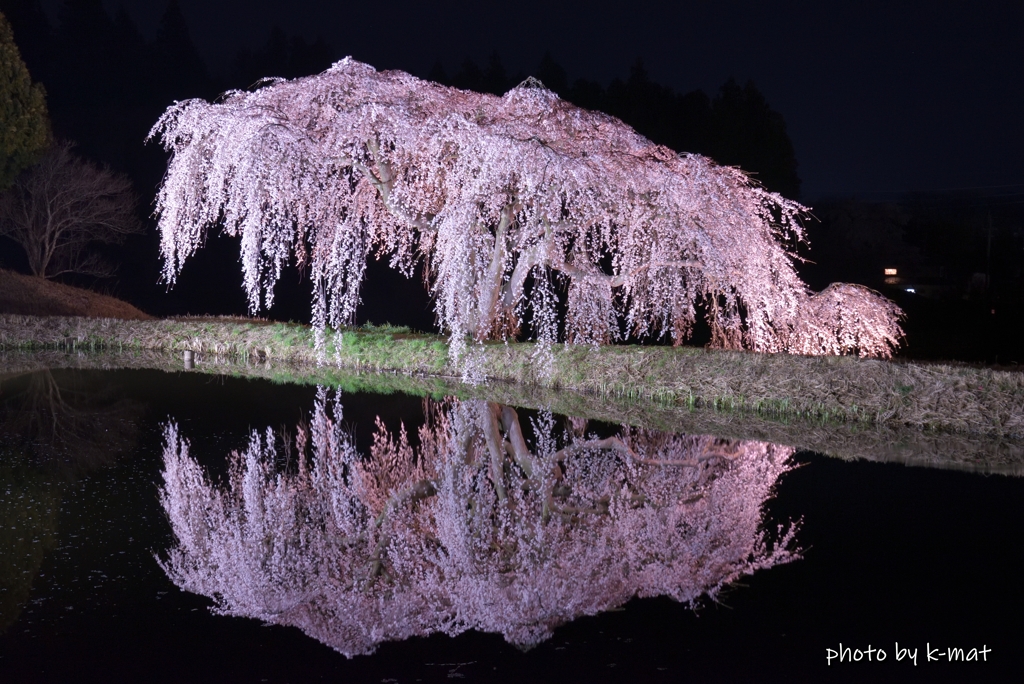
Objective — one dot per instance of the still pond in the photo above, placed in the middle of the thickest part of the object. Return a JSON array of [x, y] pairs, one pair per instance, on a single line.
[[184, 527]]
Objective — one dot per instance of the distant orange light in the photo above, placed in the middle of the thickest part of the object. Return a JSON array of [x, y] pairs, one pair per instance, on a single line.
[[890, 271]]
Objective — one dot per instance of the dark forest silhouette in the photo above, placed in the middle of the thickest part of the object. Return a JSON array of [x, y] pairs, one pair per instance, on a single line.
[[106, 85], [736, 127]]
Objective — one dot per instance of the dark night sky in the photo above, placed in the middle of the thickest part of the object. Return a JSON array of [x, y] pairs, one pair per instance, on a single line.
[[879, 97]]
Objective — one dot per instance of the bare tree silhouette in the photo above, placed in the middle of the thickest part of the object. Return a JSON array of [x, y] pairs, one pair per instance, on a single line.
[[62, 208]]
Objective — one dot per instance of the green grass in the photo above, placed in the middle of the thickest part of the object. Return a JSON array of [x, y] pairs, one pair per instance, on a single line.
[[822, 433], [937, 397]]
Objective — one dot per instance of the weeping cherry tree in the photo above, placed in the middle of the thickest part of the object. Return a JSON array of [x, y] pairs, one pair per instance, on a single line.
[[504, 200], [485, 525]]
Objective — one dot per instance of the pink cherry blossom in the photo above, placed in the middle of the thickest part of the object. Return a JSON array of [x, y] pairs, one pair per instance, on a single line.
[[505, 200], [479, 527]]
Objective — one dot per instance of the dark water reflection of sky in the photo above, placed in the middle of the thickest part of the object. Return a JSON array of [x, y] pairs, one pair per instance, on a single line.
[[926, 558]]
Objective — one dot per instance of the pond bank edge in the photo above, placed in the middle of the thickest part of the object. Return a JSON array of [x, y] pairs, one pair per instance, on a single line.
[[946, 398]]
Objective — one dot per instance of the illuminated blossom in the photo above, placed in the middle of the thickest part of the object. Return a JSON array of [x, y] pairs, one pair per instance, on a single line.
[[477, 528], [506, 200]]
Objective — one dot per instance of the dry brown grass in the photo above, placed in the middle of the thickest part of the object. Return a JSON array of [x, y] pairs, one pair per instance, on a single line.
[[931, 397], [845, 440], [33, 296]]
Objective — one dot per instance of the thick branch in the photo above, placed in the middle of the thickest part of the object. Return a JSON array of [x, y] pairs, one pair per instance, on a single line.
[[545, 253], [616, 444], [517, 443], [491, 285], [421, 489], [383, 180], [495, 446]]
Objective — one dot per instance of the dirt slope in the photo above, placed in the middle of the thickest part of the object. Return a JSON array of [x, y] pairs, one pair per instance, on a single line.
[[32, 296]]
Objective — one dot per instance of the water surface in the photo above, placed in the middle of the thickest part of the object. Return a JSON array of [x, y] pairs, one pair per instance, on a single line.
[[184, 527]]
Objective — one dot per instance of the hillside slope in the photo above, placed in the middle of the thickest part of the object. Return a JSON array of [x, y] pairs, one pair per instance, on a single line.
[[32, 296]]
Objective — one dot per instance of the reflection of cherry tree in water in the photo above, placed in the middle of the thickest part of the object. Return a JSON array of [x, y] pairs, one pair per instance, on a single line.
[[474, 529]]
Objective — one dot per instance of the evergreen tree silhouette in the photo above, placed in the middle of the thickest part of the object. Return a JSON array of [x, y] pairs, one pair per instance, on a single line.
[[469, 77], [84, 86], [495, 79], [305, 59], [553, 76], [33, 32], [281, 57], [181, 70], [24, 124], [748, 133], [437, 74], [135, 94], [737, 128]]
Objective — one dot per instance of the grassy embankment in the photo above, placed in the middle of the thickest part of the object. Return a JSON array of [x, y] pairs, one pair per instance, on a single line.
[[845, 440], [932, 397]]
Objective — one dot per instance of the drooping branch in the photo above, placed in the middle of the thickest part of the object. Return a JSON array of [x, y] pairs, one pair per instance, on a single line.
[[441, 553], [489, 191]]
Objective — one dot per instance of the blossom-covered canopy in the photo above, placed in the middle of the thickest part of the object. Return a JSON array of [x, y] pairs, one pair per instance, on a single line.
[[504, 198], [477, 528]]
